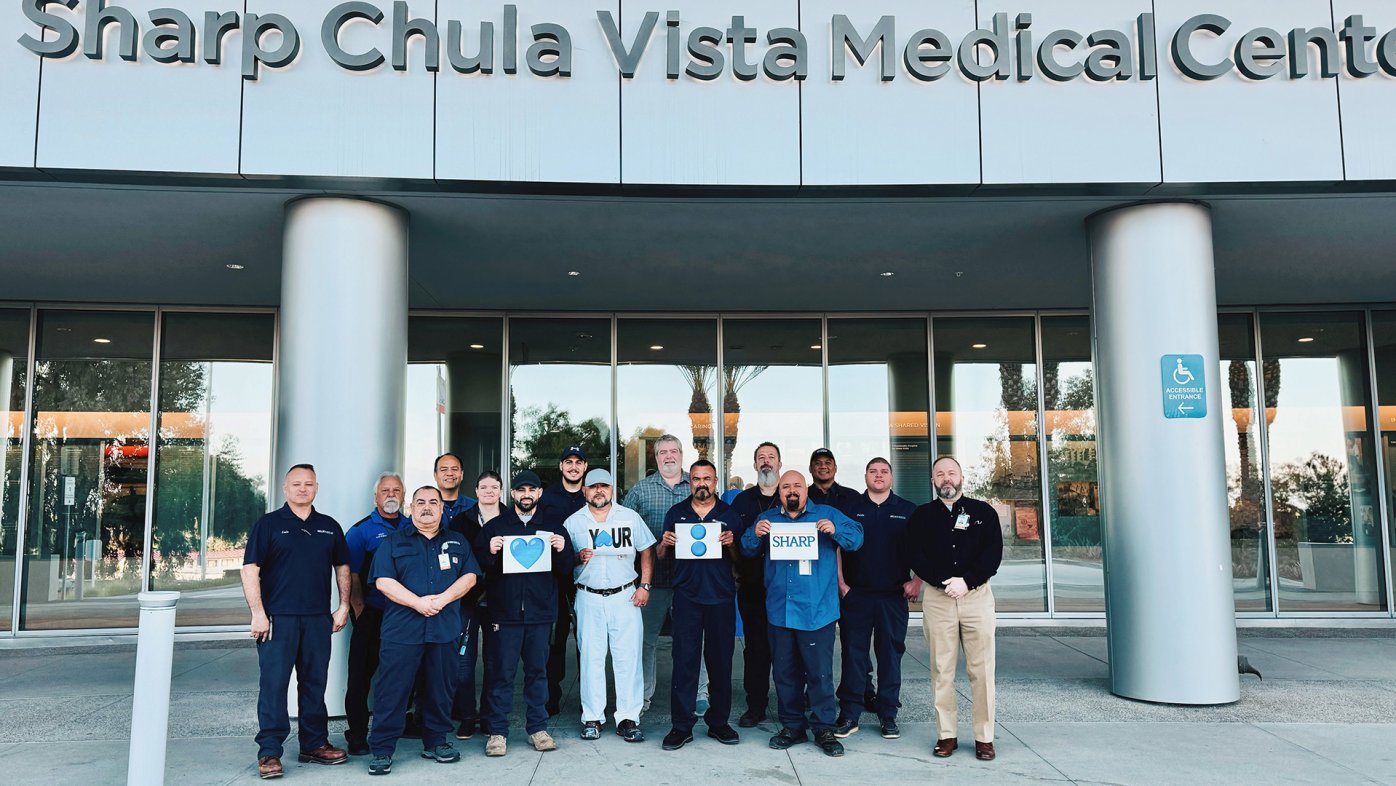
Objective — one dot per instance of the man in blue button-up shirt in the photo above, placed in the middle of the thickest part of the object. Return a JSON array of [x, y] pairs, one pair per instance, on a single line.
[[802, 606], [423, 570]]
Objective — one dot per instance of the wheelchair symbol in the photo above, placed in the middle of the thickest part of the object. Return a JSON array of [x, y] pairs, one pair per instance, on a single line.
[[1181, 374]]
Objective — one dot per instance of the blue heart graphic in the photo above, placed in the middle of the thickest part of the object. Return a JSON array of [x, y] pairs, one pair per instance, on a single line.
[[602, 540], [527, 550]]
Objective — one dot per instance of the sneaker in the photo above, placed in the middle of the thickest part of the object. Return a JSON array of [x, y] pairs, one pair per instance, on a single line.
[[676, 739], [890, 730], [751, 717], [542, 741], [381, 765], [844, 727], [445, 753], [629, 731], [787, 737], [496, 745], [724, 734], [591, 730], [828, 742], [466, 730]]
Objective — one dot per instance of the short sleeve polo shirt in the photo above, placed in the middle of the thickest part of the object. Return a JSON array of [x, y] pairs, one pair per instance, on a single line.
[[296, 558]]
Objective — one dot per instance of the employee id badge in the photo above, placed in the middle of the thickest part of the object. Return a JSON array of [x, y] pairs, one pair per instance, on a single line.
[[962, 521], [443, 561]]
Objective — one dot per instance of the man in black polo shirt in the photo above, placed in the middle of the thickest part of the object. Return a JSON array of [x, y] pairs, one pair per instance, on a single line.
[[556, 503], [751, 588], [290, 552], [956, 547], [824, 490], [704, 619], [423, 570], [876, 582]]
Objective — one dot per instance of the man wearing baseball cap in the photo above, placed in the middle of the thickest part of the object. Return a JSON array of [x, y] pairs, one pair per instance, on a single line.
[[607, 537], [825, 490], [556, 503]]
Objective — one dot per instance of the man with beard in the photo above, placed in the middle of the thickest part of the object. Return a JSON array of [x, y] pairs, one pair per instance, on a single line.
[[652, 498], [825, 490], [876, 582], [366, 604], [751, 588], [802, 607], [557, 502], [523, 609], [423, 570], [956, 546], [705, 621], [449, 476], [608, 537]]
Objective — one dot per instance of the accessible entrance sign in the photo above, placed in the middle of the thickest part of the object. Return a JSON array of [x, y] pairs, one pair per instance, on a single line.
[[1184, 386]]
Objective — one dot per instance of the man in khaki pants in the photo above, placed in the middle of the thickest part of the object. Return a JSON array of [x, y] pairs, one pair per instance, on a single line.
[[956, 547]]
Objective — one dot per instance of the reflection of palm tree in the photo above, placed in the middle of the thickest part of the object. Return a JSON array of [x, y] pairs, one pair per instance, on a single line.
[[734, 379], [699, 408]]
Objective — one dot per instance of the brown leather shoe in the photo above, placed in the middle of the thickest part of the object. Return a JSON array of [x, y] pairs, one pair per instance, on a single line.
[[325, 754], [946, 747], [983, 751], [269, 767]]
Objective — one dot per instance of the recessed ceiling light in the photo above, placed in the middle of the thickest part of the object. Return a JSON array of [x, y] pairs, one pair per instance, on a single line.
[[887, 274], [234, 266], [978, 346], [574, 272], [656, 347], [101, 341], [1306, 340], [816, 346], [477, 346]]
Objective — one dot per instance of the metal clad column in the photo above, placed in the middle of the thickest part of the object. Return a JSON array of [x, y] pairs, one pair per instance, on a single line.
[[343, 361], [1169, 608]]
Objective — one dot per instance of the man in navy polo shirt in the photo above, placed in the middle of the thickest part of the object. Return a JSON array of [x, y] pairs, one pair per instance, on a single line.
[[423, 570], [289, 554], [704, 612], [876, 581], [366, 603]]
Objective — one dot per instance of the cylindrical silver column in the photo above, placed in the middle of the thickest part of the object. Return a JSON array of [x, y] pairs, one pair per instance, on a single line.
[[1169, 608], [150, 707], [343, 360]]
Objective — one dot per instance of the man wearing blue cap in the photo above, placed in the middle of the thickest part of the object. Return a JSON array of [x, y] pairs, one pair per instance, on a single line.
[[607, 538], [557, 502]]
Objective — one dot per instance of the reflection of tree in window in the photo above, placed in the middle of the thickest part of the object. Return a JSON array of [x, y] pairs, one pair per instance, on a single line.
[[549, 431]]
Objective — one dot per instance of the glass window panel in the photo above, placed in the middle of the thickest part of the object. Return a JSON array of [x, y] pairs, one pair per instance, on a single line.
[[666, 383], [560, 389], [14, 362], [879, 400], [86, 534], [1322, 481], [213, 458], [986, 416], [1068, 389], [1245, 488], [774, 381], [1384, 344], [454, 367]]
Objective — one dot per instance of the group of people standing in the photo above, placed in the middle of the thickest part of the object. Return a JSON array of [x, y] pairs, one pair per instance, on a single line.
[[438, 582]]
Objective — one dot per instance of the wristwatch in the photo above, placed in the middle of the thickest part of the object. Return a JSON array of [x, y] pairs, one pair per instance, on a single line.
[[644, 585]]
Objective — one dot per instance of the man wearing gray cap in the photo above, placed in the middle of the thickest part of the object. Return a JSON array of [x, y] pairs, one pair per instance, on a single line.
[[607, 538]]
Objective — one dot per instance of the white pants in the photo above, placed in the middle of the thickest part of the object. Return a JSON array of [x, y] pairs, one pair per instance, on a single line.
[[611, 624]]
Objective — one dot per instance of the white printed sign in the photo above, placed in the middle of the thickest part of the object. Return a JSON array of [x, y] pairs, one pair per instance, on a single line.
[[790, 541], [698, 541], [527, 554]]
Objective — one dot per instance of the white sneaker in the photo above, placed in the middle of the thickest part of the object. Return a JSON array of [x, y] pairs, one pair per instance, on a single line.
[[542, 741], [496, 745]]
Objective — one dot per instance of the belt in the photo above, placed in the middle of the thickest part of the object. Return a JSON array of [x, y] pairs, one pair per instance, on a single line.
[[607, 592]]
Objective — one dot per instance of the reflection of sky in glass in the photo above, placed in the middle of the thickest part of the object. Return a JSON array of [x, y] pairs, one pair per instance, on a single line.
[[859, 418], [422, 438], [655, 399], [978, 418], [583, 391], [1309, 415], [784, 405], [241, 408]]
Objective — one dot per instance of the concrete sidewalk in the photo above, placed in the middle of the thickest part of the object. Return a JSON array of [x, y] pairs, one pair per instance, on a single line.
[[1325, 713]]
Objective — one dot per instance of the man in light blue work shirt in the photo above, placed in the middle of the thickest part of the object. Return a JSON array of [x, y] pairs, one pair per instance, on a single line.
[[802, 607]]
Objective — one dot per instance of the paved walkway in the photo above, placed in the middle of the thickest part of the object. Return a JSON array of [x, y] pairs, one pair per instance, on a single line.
[[1325, 713]]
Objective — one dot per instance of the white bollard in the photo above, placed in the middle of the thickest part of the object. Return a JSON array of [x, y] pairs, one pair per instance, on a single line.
[[150, 709]]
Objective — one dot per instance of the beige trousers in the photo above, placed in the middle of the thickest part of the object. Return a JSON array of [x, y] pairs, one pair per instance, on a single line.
[[947, 623]]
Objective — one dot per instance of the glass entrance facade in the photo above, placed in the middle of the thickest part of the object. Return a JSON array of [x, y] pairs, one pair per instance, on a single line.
[[138, 442]]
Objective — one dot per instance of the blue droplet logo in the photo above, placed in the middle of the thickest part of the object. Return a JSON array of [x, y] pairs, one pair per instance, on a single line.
[[699, 532]]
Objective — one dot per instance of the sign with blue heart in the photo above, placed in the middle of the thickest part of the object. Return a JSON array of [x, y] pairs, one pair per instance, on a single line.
[[526, 554], [698, 541]]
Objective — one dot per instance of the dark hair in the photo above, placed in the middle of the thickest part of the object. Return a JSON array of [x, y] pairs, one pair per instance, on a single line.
[[435, 465], [295, 467], [877, 460], [702, 463], [947, 457], [767, 445], [424, 488], [489, 473]]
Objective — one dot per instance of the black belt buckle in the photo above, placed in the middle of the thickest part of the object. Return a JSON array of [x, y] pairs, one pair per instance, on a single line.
[[606, 593]]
